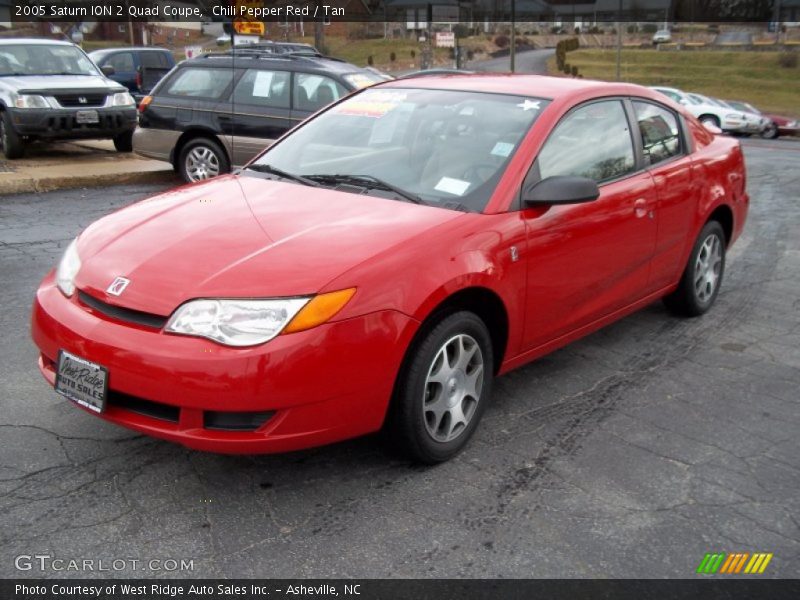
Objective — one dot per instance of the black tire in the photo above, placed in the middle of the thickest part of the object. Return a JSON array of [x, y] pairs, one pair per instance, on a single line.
[[695, 294], [771, 132], [124, 142], [217, 160], [10, 139], [409, 425], [710, 119]]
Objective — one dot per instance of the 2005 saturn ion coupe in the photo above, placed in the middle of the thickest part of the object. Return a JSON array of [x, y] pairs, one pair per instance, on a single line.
[[380, 264]]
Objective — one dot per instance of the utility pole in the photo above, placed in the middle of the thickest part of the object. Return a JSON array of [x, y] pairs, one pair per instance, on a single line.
[[619, 40], [513, 42], [319, 32]]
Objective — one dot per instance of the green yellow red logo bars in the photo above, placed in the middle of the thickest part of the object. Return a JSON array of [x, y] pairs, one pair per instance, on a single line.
[[734, 563]]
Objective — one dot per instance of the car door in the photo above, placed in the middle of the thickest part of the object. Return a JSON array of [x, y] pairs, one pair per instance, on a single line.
[[586, 261], [666, 156], [257, 112], [312, 92], [188, 100], [124, 65]]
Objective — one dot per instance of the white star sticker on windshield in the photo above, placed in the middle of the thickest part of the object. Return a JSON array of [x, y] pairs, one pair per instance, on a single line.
[[529, 105]]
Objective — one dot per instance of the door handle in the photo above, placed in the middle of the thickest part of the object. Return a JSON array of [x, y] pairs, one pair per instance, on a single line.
[[641, 208]]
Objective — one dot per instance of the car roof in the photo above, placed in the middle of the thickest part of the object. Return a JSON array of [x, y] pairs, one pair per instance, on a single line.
[[540, 86], [33, 42], [264, 59], [129, 49]]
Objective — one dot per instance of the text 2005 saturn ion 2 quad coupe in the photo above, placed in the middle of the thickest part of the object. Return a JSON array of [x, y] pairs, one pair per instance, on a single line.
[[379, 265]]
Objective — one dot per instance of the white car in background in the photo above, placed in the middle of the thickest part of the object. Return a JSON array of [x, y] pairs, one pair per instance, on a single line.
[[662, 36], [755, 123], [706, 111]]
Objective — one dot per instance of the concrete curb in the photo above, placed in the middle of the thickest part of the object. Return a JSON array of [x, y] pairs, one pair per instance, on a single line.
[[49, 184]]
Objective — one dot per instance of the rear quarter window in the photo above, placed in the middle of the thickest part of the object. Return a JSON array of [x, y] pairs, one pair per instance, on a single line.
[[199, 82]]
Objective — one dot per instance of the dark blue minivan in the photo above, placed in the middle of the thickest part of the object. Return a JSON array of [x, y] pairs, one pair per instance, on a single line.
[[138, 69]]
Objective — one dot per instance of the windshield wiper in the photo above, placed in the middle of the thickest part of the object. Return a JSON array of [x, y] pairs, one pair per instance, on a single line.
[[369, 181], [269, 169]]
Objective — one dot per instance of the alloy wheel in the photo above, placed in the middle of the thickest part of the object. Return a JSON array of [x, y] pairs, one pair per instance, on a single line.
[[453, 388], [202, 163], [707, 268]]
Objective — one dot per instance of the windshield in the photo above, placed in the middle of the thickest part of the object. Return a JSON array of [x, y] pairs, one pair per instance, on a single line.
[[442, 147], [43, 59]]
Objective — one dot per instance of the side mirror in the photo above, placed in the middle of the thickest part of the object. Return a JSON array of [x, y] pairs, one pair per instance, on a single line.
[[107, 70], [561, 190]]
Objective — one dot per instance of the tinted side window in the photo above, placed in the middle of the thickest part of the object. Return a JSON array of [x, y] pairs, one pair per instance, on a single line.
[[196, 82], [121, 62], [312, 92], [593, 141], [263, 88], [661, 138], [153, 60]]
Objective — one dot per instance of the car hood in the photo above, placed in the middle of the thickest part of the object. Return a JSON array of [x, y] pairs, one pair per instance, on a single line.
[[54, 83], [241, 237]]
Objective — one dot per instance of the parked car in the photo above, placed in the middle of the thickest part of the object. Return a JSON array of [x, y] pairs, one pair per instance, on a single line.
[[220, 110], [378, 266], [138, 69], [50, 90], [754, 124], [662, 36], [777, 124], [707, 112], [285, 48], [436, 72]]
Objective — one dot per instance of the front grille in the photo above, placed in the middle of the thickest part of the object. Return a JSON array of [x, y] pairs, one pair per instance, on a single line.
[[235, 421], [69, 123], [123, 314], [79, 100], [148, 408]]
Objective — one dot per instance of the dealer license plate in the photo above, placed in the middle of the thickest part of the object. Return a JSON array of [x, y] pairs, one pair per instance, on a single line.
[[82, 381], [87, 116]]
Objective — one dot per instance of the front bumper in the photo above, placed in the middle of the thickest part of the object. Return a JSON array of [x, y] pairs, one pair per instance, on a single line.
[[61, 124], [323, 385]]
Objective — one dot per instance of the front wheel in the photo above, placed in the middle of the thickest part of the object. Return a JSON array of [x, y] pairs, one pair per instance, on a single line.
[[124, 142], [443, 389], [702, 277], [771, 132], [202, 158], [9, 138], [710, 120]]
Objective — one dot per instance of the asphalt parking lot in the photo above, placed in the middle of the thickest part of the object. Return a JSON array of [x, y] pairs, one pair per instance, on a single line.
[[631, 453]]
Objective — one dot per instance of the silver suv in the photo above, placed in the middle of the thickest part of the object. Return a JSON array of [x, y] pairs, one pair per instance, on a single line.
[[50, 90]]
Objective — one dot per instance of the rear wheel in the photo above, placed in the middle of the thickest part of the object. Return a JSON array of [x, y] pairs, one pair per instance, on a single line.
[[202, 158], [124, 142], [9, 138], [443, 389], [702, 277]]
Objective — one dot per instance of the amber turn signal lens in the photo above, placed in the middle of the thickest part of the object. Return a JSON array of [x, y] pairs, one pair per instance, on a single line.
[[319, 310], [145, 103]]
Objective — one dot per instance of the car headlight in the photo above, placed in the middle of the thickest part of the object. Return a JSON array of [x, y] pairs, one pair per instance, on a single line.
[[122, 99], [245, 322], [68, 268], [30, 101]]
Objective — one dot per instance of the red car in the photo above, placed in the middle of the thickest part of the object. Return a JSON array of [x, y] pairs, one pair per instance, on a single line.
[[379, 265]]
